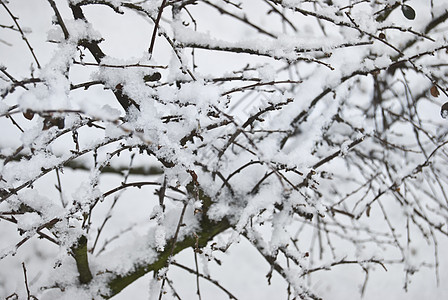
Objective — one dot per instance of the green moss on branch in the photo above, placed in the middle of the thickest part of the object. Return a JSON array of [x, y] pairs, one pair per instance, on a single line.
[[208, 230], [79, 252]]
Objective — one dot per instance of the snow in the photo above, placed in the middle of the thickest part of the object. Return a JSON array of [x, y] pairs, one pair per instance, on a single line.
[[345, 147], [288, 183]]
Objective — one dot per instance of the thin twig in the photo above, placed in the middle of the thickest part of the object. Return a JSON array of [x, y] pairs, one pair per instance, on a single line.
[[231, 296], [251, 86], [59, 188], [156, 26], [116, 198], [136, 65], [59, 18], [243, 19], [14, 18], [176, 234], [28, 294], [198, 290]]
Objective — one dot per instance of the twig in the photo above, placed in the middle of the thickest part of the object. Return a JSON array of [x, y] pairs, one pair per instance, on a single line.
[[115, 8], [161, 193], [14, 122], [13, 191], [170, 283], [109, 213], [336, 154], [282, 15], [247, 50], [231, 296], [9, 27], [59, 188], [271, 83], [14, 18], [198, 290], [85, 85], [400, 53], [28, 294], [176, 234], [115, 237], [125, 101], [242, 19], [30, 235], [136, 65], [165, 35], [344, 262], [59, 18], [156, 25]]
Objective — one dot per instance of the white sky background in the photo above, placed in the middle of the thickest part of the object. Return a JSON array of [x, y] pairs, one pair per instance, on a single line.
[[243, 270]]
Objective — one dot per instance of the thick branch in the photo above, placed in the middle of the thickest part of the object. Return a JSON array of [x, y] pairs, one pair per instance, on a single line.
[[208, 230], [79, 252], [125, 101]]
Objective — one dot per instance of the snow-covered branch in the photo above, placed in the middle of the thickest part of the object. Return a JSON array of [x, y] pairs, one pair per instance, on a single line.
[[312, 132]]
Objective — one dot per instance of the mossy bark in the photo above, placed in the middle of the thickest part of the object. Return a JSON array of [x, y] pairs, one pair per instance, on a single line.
[[208, 230], [79, 252]]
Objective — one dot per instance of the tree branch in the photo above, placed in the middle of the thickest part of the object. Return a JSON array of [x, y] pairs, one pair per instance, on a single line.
[[208, 229], [79, 252]]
